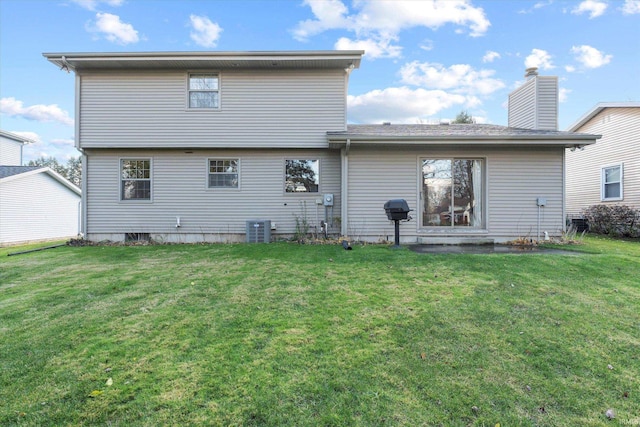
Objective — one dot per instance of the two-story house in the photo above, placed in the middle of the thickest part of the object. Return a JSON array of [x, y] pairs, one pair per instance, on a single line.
[[195, 146], [608, 172]]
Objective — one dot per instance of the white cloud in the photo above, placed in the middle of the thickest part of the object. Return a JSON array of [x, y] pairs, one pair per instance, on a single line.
[[374, 48], [631, 7], [590, 57], [426, 45], [538, 5], [379, 22], [563, 94], [113, 29], [93, 4], [594, 8], [330, 15], [569, 68], [539, 58], [490, 56], [204, 32], [402, 104], [40, 113], [460, 78]]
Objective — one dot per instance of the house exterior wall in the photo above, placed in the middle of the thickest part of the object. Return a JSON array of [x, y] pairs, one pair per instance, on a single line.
[[534, 105], [179, 188], [10, 152], [37, 207], [513, 177], [258, 109], [620, 144]]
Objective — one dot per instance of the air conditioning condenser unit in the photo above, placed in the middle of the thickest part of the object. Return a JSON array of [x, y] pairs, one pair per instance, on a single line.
[[258, 231]]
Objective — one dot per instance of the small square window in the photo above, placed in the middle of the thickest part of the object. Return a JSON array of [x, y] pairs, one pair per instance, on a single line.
[[302, 176], [204, 91], [612, 182], [223, 173]]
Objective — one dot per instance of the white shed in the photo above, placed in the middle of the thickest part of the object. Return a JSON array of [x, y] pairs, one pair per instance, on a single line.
[[37, 204]]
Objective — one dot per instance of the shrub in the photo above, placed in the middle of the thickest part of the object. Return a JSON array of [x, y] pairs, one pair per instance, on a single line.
[[615, 220]]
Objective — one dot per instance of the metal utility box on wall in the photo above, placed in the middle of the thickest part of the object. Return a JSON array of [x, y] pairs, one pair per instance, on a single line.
[[258, 231]]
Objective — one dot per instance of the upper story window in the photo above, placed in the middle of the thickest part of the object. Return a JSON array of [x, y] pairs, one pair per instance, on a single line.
[[135, 179], [612, 182], [302, 176], [223, 173], [204, 90]]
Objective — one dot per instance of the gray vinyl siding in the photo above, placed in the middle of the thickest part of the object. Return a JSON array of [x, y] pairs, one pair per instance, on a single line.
[[179, 188], [10, 152], [620, 144], [534, 105], [258, 109], [514, 179], [37, 207], [522, 113]]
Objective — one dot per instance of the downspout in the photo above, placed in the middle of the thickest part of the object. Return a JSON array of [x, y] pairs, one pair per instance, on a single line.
[[85, 161], [564, 190], [345, 189]]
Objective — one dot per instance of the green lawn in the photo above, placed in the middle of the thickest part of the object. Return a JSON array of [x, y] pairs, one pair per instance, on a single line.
[[307, 335]]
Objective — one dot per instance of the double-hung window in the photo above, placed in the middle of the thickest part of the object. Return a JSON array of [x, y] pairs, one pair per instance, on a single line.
[[204, 90], [135, 179], [612, 182], [223, 173]]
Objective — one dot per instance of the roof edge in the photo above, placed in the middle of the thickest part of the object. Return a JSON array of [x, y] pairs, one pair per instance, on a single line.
[[55, 175], [16, 137], [67, 59], [599, 107]]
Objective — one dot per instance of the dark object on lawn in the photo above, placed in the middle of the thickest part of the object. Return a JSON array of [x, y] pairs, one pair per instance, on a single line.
[[397, 210], [36, 250], [346, 245]]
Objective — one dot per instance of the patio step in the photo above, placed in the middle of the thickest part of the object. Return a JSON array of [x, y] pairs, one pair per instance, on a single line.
[[454, 240]]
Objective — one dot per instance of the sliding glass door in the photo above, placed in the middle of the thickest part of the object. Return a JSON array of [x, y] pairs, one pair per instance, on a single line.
[[452, 193]]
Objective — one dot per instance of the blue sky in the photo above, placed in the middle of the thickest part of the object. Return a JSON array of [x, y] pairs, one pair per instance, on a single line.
[[424, 61]]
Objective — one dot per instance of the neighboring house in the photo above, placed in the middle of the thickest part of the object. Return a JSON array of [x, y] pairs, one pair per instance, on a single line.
[[197, 146], [608, 172], [11, 148], [36, 203]]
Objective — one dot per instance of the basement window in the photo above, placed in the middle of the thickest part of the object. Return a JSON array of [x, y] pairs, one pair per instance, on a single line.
[[137, 237]]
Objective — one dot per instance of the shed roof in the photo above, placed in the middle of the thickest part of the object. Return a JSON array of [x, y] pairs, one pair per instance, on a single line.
[[9, 173], [16, 137], [596, 109]]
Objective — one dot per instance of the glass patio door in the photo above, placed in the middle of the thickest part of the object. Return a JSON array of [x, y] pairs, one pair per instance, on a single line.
[[452, 193]]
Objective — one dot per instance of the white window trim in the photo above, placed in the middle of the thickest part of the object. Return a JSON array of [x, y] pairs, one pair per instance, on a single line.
[[206, 184], [602, 183], [150, 199], [188, 90]]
